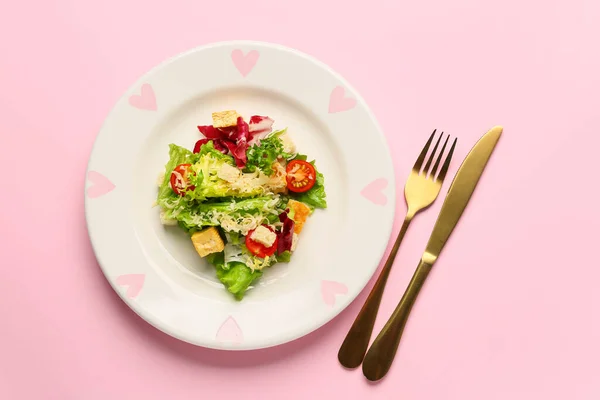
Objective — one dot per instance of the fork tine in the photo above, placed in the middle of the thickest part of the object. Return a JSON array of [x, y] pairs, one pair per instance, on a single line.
[[419, 162], [439, 159], [444, 169], [432, 155]]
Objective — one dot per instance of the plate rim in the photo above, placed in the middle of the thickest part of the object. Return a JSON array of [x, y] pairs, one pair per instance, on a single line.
[[334, 312]]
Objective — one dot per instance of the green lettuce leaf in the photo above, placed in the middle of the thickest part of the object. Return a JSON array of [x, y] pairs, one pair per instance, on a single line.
[[228, 215], [236, 278], [205, 178], [234, 238], [209, 149], [256, 204], [216, 259], [205, 165], [284, 257], [300, 157]]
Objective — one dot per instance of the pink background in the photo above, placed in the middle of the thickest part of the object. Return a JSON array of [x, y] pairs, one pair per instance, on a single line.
[[511, 311]]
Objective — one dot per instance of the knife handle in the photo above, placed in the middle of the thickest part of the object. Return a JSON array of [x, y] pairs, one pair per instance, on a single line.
[[354, 347], [381, 354]]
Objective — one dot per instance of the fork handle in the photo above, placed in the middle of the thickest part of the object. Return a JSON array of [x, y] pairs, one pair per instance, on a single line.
[[355, 344], [380, 356]]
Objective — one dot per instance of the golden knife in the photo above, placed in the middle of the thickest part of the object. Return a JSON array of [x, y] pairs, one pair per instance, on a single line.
[[380, 356]]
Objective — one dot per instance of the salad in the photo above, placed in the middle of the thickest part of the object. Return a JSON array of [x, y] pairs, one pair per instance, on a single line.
[[243, 193]]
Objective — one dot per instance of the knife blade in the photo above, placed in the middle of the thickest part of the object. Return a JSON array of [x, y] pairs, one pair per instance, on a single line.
[[460, 191]]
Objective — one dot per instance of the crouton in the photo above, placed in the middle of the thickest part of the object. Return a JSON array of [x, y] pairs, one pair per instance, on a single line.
[[301, 213], [224, 119], [208, 241]]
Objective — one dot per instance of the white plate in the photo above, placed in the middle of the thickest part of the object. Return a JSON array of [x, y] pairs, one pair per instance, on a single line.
[[156, 270]]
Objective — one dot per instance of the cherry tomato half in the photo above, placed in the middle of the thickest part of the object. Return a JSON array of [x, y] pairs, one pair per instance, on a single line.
[[301, 176], [259, 249], [180, 182]]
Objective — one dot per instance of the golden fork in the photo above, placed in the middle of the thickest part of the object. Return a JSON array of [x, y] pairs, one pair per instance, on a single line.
[[420, 191]]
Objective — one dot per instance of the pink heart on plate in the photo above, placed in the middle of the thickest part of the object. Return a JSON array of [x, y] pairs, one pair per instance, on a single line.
[[374, 191], [244, 63], [330, 289], [146, 100], [339, 102], [135, 282], [100, 185], [230, 332]]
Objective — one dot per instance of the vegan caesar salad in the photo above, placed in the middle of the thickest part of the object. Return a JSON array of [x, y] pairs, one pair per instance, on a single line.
[[243, 194]]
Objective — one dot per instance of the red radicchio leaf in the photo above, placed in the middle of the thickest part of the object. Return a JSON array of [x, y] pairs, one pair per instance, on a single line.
[[231, 132], [259, 128], [238, 150], [286, 235], [221, 146], [258, 124], [243, 130], [210, 132], [240, 134], [284, 215], [239, 161]]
